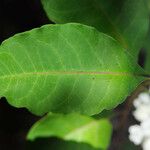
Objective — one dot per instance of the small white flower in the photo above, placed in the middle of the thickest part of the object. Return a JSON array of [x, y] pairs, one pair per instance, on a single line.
[[136, 134], [136, 102], [142, 113], [144, 98], [140, 134], [146, 144], [146, 128]]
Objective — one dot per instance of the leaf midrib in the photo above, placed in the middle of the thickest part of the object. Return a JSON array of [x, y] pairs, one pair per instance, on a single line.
[[28, 74]]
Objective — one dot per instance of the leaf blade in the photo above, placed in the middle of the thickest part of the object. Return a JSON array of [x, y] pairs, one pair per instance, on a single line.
[[147, 48], [73, 127], [66, 68]]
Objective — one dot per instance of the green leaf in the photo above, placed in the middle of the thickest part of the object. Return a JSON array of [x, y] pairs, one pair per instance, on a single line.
[[66, 68], [73, 127], [147, 2], [125, 20], [147, 43], [147, 48]]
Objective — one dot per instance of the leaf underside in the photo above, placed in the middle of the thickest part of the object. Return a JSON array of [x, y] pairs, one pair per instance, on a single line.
[[73, 127], [66, 68]]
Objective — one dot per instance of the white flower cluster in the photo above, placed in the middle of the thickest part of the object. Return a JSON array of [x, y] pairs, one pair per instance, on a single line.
[[140, 134]]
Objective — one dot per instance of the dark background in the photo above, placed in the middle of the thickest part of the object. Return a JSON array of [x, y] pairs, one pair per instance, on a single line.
[[17, 16]]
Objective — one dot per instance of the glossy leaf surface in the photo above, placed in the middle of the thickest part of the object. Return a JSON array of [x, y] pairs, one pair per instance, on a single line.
[[66, 68]]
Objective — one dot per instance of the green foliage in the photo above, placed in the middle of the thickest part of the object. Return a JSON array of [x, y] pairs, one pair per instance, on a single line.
[[66, 68], [147, 2], [76, 69], [74, 127], [147, 44], [126, 20], [147, 50]]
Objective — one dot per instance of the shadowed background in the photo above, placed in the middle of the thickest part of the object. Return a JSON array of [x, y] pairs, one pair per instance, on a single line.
[[17, 16]]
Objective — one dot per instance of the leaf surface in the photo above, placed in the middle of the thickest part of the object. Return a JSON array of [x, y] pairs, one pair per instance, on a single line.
[[73, 127], [125, 20], [147, 44], [147, 51], [66, 68]]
